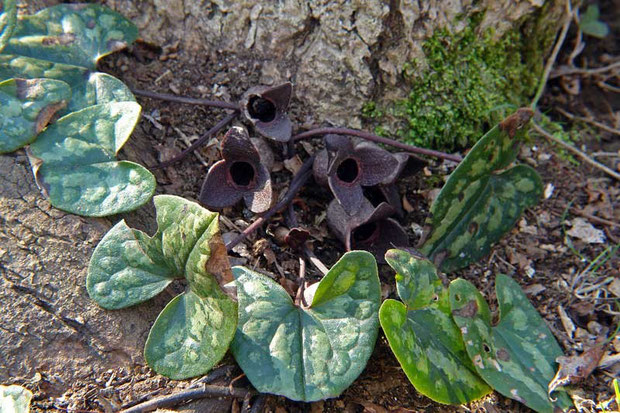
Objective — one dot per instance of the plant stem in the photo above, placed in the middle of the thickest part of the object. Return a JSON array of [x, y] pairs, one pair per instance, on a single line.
[[297, 182], [576, 151], [379, 139], [184, 99], [299, 297], [191, 394], [215, 129], [554, 55]]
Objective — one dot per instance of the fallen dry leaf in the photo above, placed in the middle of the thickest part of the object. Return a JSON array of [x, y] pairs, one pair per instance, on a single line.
[[583, 230], [573, 369], [567, 323]]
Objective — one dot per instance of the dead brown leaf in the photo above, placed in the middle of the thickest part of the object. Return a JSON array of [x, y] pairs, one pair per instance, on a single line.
[[218, 264], [573, 369]]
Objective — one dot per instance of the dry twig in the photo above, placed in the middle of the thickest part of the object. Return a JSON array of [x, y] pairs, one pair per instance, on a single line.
[[588, 120], [576, 151]]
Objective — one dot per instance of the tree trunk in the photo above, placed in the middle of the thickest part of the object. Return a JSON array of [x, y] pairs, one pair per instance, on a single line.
[[338, 54]]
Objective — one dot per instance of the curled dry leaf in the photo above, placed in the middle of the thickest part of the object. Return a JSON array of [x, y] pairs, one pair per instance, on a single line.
[[296, 238], [266, 108], [574, 369], [240, 175]]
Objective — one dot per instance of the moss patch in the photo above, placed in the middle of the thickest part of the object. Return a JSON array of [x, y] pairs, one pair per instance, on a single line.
[[470, 81]]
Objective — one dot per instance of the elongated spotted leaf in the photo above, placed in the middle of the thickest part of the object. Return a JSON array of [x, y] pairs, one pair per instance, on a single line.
[[88, 88], [517, 356], [8, 17], [129, 267], [423, 336], [27, 107], [479, 203], [308, 353], [15, 399], [76, 34], [74, 162]]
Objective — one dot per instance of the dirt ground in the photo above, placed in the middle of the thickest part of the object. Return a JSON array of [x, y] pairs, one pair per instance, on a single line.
[[555, 269]]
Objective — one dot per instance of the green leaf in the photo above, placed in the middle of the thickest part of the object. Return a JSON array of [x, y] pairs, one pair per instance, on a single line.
[[129, 267], [88, 88], [195, 329], [27, 107], [308, 353], [15, 399], [74, 162], [191, 335], [590, 24], [517, 356], [8, 17], [479, 203], [77, 34], [423, 336]]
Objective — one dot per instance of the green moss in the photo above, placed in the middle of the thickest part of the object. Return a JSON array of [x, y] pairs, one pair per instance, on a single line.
[[470, 82]]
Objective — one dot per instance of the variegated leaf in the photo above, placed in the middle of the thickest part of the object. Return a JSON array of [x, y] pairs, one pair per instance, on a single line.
[[423, 336], [77, 34], [480, 202], [308, 353], [8, 17], [195, 329], [75, 165], [192, 334], [88, 88], [517, 356], [129, 267], [27, 108]]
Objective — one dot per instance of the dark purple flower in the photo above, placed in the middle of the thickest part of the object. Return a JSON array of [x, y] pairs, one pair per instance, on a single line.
[[239, 175], [363, 170], [370, 229], [266, 108], [347, 167]]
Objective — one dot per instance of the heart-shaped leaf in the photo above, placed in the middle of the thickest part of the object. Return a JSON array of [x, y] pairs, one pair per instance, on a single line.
[[77, 34], [8, 17], [88, 88], [27, 108], [129, 267], [195, 329], [517, 356], [423, 336], [590, 24], [15, 399], [308, 353], [479, 202], [75, 165]]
